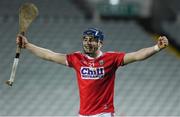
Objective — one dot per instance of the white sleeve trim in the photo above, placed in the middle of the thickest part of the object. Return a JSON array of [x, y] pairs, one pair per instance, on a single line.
[[67, 64]]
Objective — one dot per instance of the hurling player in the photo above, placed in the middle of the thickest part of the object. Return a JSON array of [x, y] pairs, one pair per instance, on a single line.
[[95, 70]]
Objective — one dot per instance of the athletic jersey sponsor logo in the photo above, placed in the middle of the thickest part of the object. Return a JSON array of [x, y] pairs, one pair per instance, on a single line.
[[92, 72]]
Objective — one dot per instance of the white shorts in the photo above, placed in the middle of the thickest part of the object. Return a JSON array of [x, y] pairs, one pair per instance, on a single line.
[[100, 115]]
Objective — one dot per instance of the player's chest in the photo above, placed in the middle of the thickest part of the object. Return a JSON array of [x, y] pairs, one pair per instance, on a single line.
[[92, 63], [94, 69]]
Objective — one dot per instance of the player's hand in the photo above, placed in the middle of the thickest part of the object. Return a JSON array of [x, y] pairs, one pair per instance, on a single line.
[[162, 42], [21, 41]]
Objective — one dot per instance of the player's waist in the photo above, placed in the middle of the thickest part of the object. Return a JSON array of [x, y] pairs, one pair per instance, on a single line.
[[96, 109], [103, 114]]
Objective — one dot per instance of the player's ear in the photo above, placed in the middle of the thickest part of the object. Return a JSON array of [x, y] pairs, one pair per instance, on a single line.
[[100, 44]]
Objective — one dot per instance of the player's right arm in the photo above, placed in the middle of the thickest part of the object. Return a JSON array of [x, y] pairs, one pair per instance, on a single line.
[[41, 52]]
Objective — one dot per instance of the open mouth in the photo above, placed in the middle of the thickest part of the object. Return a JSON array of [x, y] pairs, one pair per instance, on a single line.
[[88, 48]]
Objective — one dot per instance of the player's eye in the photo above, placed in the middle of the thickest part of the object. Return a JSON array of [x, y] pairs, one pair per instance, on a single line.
[[85, 39], [92, 39]]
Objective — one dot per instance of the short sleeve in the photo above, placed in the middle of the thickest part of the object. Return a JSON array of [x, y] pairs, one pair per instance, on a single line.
[[69, 60], [119, 58], [72, 60]]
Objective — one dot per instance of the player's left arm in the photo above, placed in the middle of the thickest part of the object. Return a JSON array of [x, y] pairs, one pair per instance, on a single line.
[[145, 53]]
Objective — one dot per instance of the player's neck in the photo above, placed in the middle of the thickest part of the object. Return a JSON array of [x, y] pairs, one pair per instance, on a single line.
[[94, 55]]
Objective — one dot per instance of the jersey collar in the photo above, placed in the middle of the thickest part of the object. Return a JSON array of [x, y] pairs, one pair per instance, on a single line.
[[100, 54]]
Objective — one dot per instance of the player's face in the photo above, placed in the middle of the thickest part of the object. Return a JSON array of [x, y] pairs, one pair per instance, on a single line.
[[90, 44]]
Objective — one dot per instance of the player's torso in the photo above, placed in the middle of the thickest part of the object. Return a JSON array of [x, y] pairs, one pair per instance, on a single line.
[[96, 82]]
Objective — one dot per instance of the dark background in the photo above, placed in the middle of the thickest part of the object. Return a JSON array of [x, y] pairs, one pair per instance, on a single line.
[[41, 88]]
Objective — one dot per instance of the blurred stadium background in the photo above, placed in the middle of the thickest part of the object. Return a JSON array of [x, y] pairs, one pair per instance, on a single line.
[[147, 88]]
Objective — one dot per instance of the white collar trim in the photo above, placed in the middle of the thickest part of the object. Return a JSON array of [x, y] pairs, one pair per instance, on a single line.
[[100, 54]]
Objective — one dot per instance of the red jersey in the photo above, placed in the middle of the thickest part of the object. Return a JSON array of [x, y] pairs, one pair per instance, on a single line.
[[96, 78]]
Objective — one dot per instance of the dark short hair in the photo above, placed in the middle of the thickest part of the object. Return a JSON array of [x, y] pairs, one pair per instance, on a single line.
[[96, 33]]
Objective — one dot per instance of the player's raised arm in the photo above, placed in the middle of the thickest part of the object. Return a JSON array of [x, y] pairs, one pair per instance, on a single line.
[[41, 52], [146, 52]]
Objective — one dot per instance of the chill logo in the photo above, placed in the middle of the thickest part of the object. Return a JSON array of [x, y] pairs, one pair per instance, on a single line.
[[92, 73]]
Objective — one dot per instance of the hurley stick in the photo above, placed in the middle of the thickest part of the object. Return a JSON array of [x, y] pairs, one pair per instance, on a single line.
[[27, 13]]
